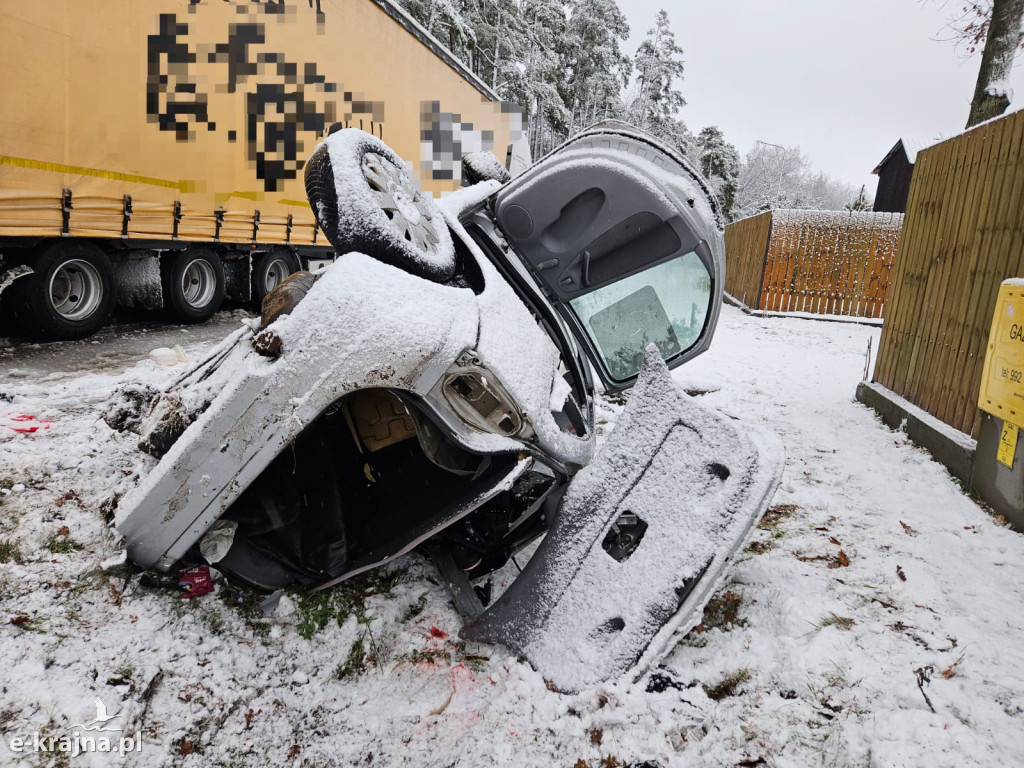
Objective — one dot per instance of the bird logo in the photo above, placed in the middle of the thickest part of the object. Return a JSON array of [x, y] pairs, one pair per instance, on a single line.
[[100, 722]]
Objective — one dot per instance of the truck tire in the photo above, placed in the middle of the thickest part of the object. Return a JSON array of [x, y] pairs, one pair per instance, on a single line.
[[365, 200], [269, 270], [70, 293], [193, 284]]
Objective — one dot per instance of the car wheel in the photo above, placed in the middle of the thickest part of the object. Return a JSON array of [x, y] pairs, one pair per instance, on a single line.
[[365, 200], [483, 166], [269, 270], [193, 283], [70, 293]]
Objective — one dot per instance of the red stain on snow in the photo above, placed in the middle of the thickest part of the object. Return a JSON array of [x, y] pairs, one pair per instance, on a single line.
[[30, 422], [438, 632]]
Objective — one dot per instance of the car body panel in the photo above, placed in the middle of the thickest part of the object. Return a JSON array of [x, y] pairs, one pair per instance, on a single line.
[[582, 611]]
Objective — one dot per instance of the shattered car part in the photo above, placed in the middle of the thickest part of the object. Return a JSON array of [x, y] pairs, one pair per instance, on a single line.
[[433, 389]]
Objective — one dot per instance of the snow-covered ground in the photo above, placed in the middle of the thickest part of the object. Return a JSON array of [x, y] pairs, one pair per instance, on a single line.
[[875, 621]]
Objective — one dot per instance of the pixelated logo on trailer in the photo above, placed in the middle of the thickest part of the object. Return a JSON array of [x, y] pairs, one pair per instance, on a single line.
[[289, 104], [445, 138]]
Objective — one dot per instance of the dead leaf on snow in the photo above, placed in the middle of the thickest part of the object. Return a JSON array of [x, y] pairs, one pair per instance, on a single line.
[[900, 573], [907, 529], [949, 671], [842, 560]]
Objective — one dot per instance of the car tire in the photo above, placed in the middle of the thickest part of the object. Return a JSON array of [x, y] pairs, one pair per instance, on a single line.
[[483, 166], [269, 270], [193, 284], [364, 200], [69, 294]]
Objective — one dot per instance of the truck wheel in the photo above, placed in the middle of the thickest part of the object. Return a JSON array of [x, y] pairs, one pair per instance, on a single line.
[[70, 293], [269, 270], [193, 283], [365, 201]]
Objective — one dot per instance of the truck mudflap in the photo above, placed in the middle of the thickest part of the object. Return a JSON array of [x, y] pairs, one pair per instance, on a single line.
[[643, 537]]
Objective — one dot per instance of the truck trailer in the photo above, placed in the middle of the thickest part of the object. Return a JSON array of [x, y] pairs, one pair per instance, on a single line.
[[151, 154]]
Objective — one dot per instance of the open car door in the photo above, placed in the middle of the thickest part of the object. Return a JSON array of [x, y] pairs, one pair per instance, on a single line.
[[625, 240]]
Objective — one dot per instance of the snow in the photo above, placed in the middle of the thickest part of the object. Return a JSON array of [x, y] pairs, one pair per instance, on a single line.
[[1000, 88], [914, 145], [876, 321], [951, 434], [831, 665]]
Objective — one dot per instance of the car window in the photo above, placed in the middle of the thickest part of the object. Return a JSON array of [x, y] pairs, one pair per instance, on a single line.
[[666, 304]]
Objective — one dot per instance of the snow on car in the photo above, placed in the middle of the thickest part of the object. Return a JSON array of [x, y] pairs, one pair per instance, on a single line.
[[433, 388]]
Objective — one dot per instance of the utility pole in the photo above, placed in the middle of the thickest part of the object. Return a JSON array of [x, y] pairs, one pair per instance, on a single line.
[[778, 182]]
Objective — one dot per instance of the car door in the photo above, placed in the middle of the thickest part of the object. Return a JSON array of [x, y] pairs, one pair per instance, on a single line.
[[625, 240]]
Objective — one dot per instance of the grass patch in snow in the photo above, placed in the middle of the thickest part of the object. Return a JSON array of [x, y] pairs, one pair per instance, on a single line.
[[415, 609], [775, 515], [834, 620], [760, 546], [455, 653], [247, 604], [354, 664], [61, 543], [722, 612], [10, 551], [728, 685], [318, 609]]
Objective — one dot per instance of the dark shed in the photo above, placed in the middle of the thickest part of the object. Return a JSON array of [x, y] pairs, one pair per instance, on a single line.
[[894, 172]]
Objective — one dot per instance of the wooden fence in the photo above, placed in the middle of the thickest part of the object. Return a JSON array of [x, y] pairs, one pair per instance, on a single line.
[[820, 262], [964, 235]]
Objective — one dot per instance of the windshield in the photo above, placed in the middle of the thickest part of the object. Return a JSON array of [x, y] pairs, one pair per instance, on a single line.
[[666, 304]]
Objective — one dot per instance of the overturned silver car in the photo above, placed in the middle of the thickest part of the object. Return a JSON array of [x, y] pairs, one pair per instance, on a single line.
[[433, 388]]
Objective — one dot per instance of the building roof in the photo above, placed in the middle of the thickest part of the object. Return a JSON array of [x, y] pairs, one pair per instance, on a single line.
[[910, 146]]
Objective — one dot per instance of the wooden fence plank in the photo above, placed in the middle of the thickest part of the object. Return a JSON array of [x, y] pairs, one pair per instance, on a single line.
[[988, 153], [962, 237], [822, 262]]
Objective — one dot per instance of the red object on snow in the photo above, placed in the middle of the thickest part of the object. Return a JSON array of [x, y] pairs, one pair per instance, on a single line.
[[25, 418], [195, 581], [438, 632]]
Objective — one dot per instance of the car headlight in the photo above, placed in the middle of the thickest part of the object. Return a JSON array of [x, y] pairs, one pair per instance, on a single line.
[[479, 399]]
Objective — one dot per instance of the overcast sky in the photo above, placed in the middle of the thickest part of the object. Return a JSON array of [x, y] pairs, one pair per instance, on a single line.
[[842, 79]]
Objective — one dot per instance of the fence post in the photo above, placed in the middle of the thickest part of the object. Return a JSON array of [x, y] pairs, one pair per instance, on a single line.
[[764, 260]]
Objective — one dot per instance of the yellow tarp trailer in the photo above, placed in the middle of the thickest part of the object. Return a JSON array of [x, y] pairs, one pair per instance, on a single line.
[[170, 123]]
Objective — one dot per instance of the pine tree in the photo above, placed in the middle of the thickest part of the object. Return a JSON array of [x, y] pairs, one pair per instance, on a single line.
[[658, 67], [720, 163], [545, 111], [500, 41], [594, 69], [443, 19]]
